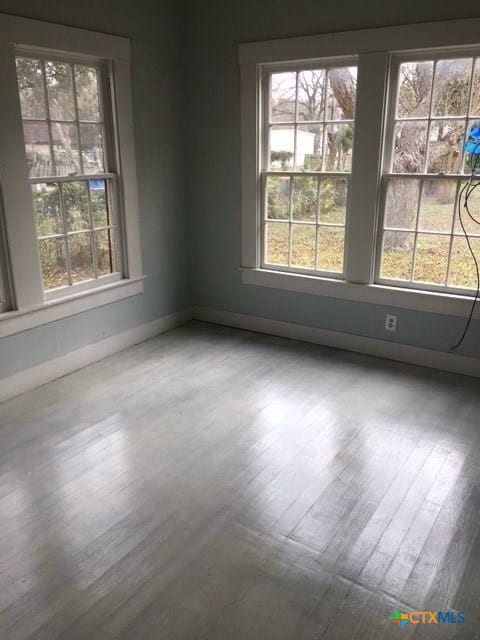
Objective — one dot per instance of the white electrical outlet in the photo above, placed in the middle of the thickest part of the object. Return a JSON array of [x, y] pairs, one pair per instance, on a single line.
[[391, 322]]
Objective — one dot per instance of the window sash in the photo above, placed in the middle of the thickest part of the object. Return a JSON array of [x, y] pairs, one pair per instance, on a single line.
[[92, 229]]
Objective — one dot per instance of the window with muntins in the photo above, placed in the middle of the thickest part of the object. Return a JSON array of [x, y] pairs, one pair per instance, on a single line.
[[309, 115], [435, 102], [356, 148], [68, 147], [69, 219]]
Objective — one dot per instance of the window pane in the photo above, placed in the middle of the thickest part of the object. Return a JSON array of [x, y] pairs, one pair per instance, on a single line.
[[309, 147], [333, 200], [338, 147], [86, 85], [92, 148], [276, 243], [303, 245], [341, 93], [401, 203], [431, 258], [452, 87], [99, 203], [331, 241], [415, 85], [60, 90], [53, 263], [278, 197], [282, 97], [305, 199], [81, 259], [397, 256], [410, 140], [31, 88], [463, 272], [437, 205], [75, 204], [46, 208], [37, 149], [445, 148], [282, 147], [311, 95], [65, 149], [470, 225], [105, 250]]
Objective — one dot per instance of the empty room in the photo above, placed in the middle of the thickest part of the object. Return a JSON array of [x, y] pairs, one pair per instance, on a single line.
[[239, 320]]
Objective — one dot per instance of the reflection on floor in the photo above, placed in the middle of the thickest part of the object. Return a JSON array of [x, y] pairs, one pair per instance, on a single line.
[[217, 484]]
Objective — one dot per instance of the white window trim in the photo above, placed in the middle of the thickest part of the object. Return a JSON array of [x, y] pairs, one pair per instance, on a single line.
[[58, 308], [373, 48], [31, 305]]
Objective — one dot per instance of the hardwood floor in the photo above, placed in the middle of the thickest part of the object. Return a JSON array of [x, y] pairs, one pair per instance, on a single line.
[[215, 484]]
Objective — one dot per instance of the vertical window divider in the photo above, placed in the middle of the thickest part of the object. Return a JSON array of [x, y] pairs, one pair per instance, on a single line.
[[290, 218], [295, 124], [324, 119], [317, 226], [361, 226]]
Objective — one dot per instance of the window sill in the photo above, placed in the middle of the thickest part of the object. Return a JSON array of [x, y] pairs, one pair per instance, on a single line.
[[426, 301], [12, 322]]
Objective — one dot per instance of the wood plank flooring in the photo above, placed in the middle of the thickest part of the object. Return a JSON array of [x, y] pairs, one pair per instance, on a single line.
[[214, 484]]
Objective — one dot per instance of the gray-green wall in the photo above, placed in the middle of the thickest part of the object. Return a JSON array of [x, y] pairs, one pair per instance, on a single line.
[[156, 75], [187, 127], [212, 31]]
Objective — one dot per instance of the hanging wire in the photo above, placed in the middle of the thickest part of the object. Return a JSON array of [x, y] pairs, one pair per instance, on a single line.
[[467, 189]]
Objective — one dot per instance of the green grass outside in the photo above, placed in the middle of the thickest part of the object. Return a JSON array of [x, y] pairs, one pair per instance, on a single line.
[[431, 258]]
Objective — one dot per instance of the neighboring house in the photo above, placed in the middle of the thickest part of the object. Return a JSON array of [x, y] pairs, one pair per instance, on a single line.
[[283, 140]]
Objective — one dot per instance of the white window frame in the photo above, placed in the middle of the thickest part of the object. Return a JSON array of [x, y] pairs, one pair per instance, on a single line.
[[374, 49], [28, 303]]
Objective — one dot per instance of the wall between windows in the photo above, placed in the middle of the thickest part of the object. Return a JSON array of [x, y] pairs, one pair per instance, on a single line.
[[213, 31], [153, 29]]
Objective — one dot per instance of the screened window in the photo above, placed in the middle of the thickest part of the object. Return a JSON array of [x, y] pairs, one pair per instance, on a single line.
[[68, 147], [306, 164], [435, 104]]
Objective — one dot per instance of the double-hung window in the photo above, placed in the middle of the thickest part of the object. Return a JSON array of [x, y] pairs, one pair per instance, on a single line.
[[69, 230], [309, 125], [354, 157], [435, 103], [68, 147]]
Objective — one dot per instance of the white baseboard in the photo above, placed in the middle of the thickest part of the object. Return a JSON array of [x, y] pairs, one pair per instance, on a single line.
[[58, 367], [370, 346]]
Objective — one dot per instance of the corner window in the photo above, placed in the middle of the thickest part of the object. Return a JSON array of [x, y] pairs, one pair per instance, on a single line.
[[69, 220], [68, 147]]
